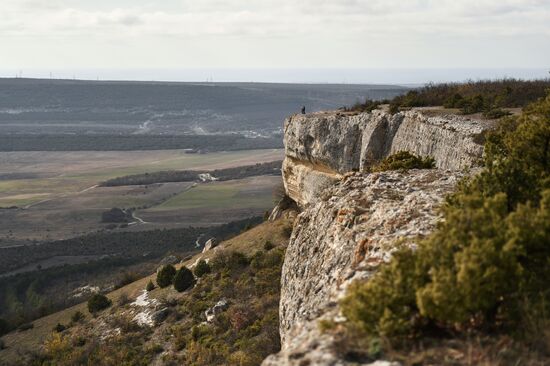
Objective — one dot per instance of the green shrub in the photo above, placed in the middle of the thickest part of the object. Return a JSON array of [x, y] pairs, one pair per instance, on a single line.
[[495, 113], [150, 286], [98, 302], [77, 316], [456, 101], [504, 93], [473, 104], [59, 328], [394, 107], [404, 160], [165, 276], [184, 279], [201, 268], [268, 245], [229, 260], [368, 106], [488, 257], [385, 305]]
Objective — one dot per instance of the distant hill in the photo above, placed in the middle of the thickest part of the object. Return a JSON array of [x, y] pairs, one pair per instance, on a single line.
[[60, 107]]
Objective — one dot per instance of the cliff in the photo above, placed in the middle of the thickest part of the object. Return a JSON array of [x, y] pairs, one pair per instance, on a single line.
[[352, 220], [320, 148]]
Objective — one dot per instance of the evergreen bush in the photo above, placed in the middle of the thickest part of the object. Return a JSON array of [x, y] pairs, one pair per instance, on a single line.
[[165, 276], [202, 268], [184, 279], [404, 160], [98, 302]]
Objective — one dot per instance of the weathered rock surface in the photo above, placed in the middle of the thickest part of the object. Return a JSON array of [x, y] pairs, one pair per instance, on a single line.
[[220, 307], [345, 236], [353, 220], [321, 147], [210, 244], [352, 232]]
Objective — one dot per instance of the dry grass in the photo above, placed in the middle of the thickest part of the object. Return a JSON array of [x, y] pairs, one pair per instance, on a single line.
[[31, 340]]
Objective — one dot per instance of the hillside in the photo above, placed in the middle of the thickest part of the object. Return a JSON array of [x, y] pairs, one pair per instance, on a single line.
[[135, 340], [411, 237]]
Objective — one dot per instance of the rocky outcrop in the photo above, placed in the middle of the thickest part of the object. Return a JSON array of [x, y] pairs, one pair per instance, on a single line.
[[220, 307], [321, 147], [353, 220], [210, 244]]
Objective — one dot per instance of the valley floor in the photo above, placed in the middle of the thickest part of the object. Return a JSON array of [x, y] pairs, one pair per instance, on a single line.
[[55, 195]]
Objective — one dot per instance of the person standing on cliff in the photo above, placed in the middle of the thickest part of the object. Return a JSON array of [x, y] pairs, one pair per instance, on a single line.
[[303, 109]]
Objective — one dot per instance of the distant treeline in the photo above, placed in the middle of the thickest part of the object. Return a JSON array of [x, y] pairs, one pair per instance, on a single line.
[[484, 96], [128, 244], [271, 168], [202, 143], [27, 296]]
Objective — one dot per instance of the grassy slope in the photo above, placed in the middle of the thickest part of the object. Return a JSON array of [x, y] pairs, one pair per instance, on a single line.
[[247, 242]]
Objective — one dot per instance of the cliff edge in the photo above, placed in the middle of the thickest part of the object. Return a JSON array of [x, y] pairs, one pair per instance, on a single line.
[[321, 147], [352, 220]]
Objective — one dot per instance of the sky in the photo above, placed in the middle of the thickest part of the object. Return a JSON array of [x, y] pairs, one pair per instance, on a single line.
[[404, 41]]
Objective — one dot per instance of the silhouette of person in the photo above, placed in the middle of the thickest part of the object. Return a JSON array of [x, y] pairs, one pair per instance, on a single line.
[[304, 109]]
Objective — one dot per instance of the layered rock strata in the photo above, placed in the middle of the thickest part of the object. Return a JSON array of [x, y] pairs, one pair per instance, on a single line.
[[321, 147]]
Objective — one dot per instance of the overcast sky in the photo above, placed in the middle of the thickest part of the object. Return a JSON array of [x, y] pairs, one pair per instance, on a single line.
[[168, 39]]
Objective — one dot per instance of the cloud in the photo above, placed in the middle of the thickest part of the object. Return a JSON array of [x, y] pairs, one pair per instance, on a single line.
[[275, 33], [278, 18]]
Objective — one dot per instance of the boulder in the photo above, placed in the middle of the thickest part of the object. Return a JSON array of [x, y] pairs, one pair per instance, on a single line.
[[220, 307], [210, 244]]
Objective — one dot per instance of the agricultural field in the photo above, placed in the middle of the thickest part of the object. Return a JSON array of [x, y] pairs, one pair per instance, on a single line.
[[214, 202], [55, 195]]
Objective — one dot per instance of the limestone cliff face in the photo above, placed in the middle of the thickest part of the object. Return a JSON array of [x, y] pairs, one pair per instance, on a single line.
[[321, 147], [351, 220]]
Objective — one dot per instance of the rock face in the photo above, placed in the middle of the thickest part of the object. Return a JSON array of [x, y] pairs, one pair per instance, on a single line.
[[345, 236], [321, 147], [352, 220]]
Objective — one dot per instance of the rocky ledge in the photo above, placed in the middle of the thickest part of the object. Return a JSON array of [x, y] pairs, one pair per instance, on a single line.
[[321, 147]]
